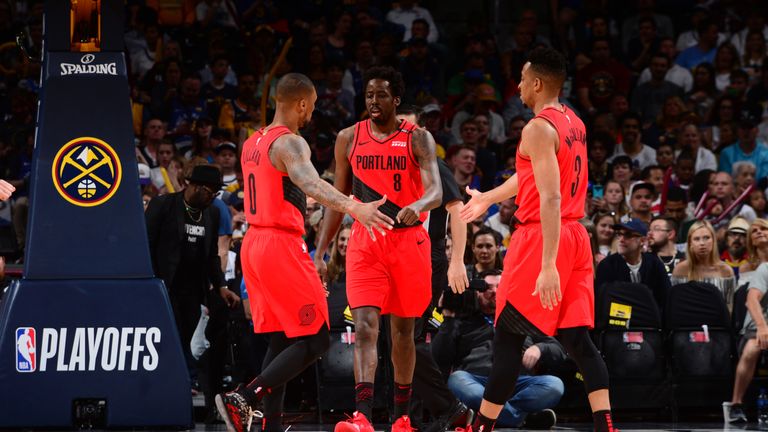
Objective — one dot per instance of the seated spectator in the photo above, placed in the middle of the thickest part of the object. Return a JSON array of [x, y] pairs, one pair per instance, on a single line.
[[703, 263], [463, 348], [501, 220], [702, 96], [599, 147], [485, 101], [186, 109], [226, 159], [754, 55], [675, 209], [218, 92], [673, 114], [614, 200], [641, 197], [337, 263], [684, 170], [604, 222], [704, 50], [631, 264], [755, 23], [689, 139], [726, 61], [665, 156], [649, 97], [735, 253], [432, 118], [662, 236], [486, 244], [592, 232], [333, 100], [645, 9], [748, 148], [724, 190], [723, 112], [601, 79], [422, 73], [641, 154], [744, 174], [622, 172], [757, 247], [757, 201], [654, 175], [146, 151], [464, 164], [238, 113], [405, 13], [754, 340], [642, 48], [676, 74]]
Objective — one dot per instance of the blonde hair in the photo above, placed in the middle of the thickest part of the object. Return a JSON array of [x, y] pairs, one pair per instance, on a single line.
[[754, 258], [714, 255]]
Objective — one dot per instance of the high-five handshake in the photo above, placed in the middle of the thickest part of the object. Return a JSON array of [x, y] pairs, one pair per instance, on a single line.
[[6, 190]]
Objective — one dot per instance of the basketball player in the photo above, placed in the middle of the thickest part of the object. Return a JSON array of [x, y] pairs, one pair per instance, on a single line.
[[6, 190], [286, 296], [384, 156], [546, 287]]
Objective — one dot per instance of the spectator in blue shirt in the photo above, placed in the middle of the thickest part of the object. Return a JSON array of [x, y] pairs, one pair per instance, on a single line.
[[704, 51], [748, 147]]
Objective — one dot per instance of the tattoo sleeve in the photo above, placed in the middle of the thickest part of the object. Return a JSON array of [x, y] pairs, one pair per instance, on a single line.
[[423, 146]]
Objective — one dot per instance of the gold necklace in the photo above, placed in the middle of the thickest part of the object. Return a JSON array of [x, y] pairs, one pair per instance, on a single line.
[[191, 210]]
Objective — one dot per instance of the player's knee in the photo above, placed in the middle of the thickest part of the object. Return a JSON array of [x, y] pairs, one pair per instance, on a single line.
[[366, 332]]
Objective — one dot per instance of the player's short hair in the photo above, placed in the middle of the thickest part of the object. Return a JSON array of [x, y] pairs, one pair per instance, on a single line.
[[294, 86], [389, 74], [548, 63]]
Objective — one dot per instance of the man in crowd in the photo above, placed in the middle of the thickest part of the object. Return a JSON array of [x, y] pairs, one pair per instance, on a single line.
[[735, 253], [661, 240]]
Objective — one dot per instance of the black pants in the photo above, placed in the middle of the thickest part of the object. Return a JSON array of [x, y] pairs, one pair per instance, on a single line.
[[186, 313]]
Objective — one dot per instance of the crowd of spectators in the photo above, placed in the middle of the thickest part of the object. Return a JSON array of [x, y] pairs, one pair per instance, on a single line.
[[674, 96]]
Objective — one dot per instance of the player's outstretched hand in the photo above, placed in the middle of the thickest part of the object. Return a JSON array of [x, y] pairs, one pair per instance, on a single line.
[[548, 288], [321, 267], [230, 298], [408, 216], [457, 278], [6, 190], [371, 218], [476, 206]]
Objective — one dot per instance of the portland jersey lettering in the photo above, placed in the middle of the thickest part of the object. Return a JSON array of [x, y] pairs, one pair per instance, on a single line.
[[572, 163], [386, 167], [271, 199]]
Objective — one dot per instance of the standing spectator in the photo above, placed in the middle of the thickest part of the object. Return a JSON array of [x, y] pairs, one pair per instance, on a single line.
[[735, 253], [703, 262], [601, 79], [648, 98], [406, 13], [676, 74], [631, 264], [422, 74], [226, 159], [641, 154], [182, 229], [237, 114], [662, 236], [217, 92]]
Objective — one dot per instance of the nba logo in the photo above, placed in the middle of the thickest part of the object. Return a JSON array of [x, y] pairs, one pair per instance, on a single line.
[[26, 353]]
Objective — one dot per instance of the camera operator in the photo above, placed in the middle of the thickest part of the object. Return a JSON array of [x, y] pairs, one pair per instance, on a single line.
[[463, 348]]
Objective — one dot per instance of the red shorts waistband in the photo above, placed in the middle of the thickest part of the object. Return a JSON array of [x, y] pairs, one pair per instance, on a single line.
[[273, 230], [538, 223]]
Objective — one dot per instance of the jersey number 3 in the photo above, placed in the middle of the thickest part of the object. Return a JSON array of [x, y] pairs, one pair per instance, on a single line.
[[577, 168]]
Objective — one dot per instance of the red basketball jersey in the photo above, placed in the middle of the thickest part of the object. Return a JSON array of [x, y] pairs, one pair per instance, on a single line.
[[271, 199], [572, 162], [386, 167]]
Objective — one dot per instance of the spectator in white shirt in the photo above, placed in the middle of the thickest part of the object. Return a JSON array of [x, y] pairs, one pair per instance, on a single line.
[[406, 12]]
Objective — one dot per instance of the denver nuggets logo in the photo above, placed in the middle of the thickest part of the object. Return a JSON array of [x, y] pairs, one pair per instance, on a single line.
[[86, 171]]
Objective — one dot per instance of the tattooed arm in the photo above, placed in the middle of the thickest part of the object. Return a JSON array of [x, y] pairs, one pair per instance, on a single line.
[[343, 183], [423, 146]]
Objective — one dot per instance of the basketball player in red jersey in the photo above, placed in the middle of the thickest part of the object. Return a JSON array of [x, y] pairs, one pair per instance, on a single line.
[[547, 284], [286, 296], [389, 274]]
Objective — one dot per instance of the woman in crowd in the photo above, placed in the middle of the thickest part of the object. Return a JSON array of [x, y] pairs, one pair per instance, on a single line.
[[689, 139], [201, 141], [757, 201], [337, 264], [703, 262], [604, 222], [486, 244], [757, 247], [614, 199]]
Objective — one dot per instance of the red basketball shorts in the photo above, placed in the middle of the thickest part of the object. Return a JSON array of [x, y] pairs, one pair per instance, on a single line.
[[522, 265], [284, 290], [393, 273]]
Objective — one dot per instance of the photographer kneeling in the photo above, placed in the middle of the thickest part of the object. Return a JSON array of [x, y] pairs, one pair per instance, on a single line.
[[462, 348]]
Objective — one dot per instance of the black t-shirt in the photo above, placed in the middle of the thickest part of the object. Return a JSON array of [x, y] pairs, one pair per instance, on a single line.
[[190, 275], [437, 224]]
